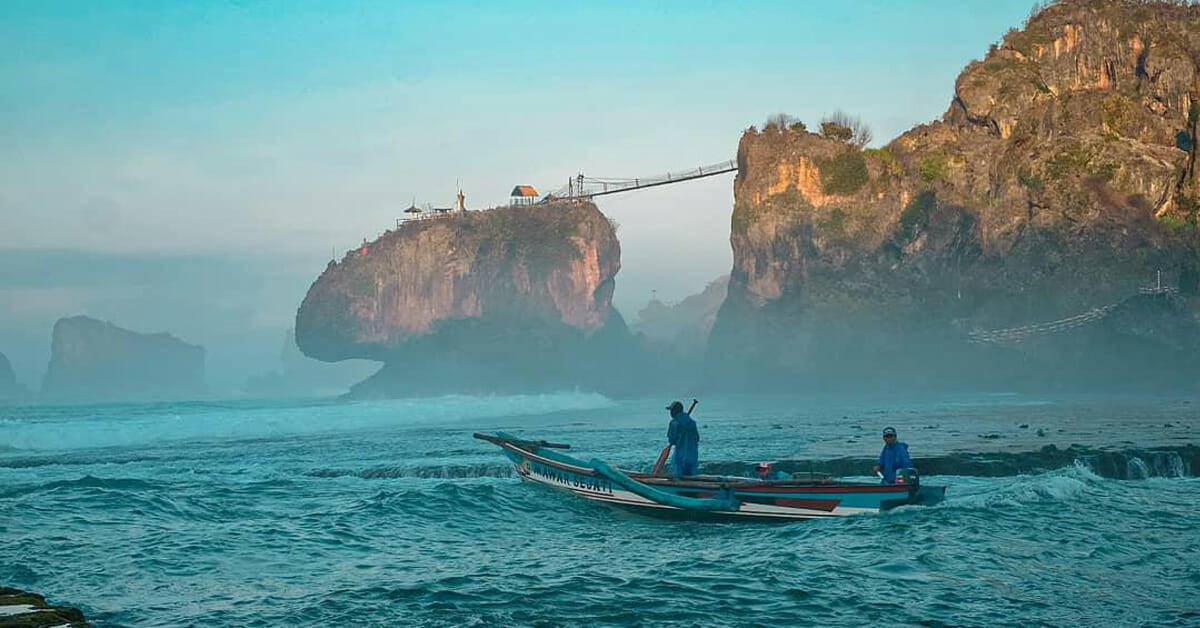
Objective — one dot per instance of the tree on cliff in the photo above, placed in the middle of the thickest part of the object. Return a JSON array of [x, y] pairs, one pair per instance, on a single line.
[[784, 121], [850, 129]]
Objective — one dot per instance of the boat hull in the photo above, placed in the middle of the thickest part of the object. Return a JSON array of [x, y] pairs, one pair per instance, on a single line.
[[785, 500]]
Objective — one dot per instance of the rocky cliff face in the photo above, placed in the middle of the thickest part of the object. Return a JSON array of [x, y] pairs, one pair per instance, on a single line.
[[504, 299], [1061, 179], [96, 360]]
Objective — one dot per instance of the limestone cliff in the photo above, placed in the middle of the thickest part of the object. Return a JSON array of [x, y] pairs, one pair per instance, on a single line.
[[1061, 179], [97, 361], [506, 299]]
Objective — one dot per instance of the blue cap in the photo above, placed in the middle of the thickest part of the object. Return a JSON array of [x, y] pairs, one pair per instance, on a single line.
[[889, 431]]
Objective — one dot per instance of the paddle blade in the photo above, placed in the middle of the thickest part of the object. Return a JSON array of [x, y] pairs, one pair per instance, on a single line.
[[662, 460]]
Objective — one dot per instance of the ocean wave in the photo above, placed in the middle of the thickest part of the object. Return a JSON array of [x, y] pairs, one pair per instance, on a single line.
[[1076, 483], [434, 471], [57, 432], [87, 481]]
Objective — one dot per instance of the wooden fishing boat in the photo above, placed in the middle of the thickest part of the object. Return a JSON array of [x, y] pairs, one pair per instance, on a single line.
[[706, 497]]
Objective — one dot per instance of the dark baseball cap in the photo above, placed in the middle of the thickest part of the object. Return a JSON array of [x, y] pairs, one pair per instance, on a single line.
[[675, 405], [889, 431]]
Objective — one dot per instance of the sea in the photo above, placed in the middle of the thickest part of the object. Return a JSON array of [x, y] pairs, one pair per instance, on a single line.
[[388, 513]]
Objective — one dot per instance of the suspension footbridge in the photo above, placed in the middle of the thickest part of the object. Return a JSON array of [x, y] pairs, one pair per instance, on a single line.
[[1014, 335], [581, 187]]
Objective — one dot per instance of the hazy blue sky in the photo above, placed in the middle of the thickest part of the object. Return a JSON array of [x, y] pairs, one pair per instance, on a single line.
[[203, 136]]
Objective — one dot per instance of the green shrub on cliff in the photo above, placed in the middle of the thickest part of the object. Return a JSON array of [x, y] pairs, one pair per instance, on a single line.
[[1068, 161], [1118, 113], [1030, 180], [916, 214], [887, 160], [846, 128], [835, 131], [932, 167], [844, 174], [1173, 223]]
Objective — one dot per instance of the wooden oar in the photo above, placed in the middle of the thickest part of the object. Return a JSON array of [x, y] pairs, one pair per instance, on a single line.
[[662, 460], [662, 457]]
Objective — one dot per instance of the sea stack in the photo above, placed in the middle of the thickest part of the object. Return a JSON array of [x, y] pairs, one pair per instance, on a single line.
[[95, 360], [513, 299]]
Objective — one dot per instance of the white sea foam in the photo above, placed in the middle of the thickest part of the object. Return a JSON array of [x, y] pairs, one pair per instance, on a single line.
[[80, 431], [1063, 485], [18, 609]]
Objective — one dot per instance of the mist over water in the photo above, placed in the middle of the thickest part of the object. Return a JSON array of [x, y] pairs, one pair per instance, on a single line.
[[386, 513]]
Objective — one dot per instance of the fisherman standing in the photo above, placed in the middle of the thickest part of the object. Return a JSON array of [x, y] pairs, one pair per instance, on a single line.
[[893, 457], [685, 438]]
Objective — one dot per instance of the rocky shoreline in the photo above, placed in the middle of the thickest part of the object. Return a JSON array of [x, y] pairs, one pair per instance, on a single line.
[[22, 609], [1124, 464]]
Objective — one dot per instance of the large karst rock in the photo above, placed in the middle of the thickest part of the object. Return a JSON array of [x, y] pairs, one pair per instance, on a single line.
[[97, 361], [1062, 179], [508, 299]]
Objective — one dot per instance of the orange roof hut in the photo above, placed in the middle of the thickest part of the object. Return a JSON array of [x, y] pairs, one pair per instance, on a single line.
[[523, 195]]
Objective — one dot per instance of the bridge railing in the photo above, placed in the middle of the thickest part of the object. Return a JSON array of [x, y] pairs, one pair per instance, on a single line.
[[585, 187], [1018, 334]]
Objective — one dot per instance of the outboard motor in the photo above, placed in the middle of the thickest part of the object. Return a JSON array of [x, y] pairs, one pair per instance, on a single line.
[[907, 477]]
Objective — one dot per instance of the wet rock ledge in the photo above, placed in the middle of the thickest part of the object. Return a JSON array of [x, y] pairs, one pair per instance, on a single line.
[[21, 609]]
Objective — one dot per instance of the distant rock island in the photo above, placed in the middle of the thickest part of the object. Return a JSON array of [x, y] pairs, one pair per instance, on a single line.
[[1058, 198], [96, 360], [10, 390], [506, 299], [682, 328]]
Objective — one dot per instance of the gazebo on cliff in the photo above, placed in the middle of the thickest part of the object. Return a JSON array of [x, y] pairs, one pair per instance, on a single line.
[[523, 195]]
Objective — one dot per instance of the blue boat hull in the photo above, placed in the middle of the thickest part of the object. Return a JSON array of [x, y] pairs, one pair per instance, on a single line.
[[705, 498]]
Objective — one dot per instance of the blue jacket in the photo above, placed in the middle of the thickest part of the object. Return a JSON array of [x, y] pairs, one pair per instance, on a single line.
[[682, 433], [892, 458]]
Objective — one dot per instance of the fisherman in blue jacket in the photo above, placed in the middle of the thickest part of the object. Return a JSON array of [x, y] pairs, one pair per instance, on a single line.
[[893, 457], [685, 438]]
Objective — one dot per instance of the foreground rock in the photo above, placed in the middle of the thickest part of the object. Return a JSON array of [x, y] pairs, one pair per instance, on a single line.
[[506, 300], [96, 360], [1062, 179], [20, 609]]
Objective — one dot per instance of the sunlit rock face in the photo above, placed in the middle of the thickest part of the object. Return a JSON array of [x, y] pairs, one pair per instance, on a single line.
[[508, 299], [96, 360], [1062, 178]]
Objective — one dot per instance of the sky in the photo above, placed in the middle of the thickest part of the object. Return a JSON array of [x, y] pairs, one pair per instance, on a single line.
[[190, 166]]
